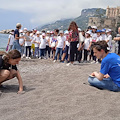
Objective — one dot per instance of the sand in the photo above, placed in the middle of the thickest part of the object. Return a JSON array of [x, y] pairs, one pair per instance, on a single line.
[[55, 91]]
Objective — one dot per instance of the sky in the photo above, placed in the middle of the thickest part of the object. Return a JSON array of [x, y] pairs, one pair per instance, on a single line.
[[33, 13]]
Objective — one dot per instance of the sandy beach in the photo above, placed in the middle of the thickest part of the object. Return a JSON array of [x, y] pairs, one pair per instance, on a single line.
[[55, 91]]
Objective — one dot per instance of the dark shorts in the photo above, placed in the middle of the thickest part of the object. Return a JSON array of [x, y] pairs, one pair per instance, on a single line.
[[66, 49], [53, 49]]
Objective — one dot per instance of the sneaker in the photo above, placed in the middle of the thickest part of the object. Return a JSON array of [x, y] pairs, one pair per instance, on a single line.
[[69, 64], [93, 62], [97, 62], [27, 57], [23, 55], [54, 60], [40, 57], [85, 61], [76, 63], [61, 61], [44, 58]]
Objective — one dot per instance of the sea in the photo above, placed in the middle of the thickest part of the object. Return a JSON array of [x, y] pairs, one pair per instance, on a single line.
[[3, 41]]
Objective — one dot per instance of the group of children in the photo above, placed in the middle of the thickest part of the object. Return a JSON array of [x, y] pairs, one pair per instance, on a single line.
[[56, 45]]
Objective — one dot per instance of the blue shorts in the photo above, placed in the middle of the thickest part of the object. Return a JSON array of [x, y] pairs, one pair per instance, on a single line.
[[66, 49]]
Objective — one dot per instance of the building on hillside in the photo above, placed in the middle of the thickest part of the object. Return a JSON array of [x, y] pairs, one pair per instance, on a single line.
[[111, 20], [112, 12]]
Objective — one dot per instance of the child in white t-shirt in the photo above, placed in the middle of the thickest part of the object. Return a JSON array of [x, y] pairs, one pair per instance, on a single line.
[[48, 49], [10, 40], [87, 45], [99, 37], [109, 39], [36, 42], [42, 46], [104, 36], [22, 43], [28, 44], [60, 45]]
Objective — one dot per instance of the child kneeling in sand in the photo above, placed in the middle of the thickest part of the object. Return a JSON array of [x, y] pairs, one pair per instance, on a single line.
[[8, 68], [109, 75]]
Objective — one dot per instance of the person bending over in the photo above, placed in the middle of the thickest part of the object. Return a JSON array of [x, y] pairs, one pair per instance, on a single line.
[[109, 75], [8, 68]]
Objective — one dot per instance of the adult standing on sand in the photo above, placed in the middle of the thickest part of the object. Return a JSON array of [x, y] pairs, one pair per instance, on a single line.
[[16, 44], [117, 42], [73, 39], [109, 75], [8, 68]]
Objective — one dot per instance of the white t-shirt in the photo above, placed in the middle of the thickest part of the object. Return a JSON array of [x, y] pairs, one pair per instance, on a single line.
[[104, 36], [61, 41], [99, 38], [109, 37], [42, 43], [94, 37], [33, 37], [47, 38], [21, 40], [36, 39], [81, 37], [28, 43], [11, 37], [87, 42]]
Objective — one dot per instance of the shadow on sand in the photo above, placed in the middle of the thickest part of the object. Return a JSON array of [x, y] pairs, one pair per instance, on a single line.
[[13, 88]]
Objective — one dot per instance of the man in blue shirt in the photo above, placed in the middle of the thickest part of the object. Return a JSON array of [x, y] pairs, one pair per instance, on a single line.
[[16, 44], [109, 75]]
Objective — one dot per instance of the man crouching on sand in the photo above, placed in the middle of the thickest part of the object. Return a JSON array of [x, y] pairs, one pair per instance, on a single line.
[[109, 75], [8, 68]]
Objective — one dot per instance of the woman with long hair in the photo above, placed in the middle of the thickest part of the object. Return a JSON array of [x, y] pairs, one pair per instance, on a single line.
[[73, 39], [8, 68]]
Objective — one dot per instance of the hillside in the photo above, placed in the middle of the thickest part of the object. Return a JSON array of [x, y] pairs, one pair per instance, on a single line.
[[82, 20]]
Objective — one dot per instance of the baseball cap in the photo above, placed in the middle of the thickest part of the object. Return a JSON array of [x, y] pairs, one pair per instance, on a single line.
[[61, 31], [108, 30], [88, 32], [48, 31], [98, 31], [21, 31], [103, 30], [37, 32], [43, 34], [79, 29], [94, 27]]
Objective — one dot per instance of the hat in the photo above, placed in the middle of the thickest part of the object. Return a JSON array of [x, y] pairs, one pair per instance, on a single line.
[[18, 25], [61, 31], [52, 32], [37, 32], [108, 30], [66, 32], [103, 30], [79, 29], [43, 34], [21, 31], [25, 29], [94, 27], [48, 31], [31, 34], [88, 32], [98, 31]]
